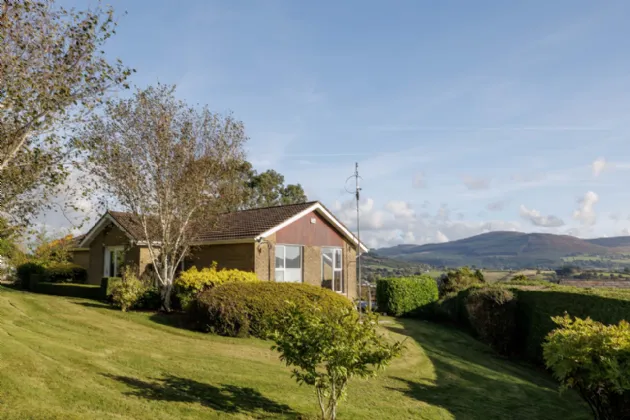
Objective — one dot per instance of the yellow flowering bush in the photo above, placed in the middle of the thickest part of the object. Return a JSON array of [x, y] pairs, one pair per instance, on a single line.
[[193, 281]]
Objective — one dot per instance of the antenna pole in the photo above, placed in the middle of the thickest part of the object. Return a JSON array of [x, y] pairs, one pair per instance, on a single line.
[[358, 194]]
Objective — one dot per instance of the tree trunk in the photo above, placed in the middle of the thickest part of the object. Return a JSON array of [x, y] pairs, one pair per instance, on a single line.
[[165, 294]]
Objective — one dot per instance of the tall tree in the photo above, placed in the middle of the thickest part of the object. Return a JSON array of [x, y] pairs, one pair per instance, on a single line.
[[173, 166], [267, 189], [52, 71]]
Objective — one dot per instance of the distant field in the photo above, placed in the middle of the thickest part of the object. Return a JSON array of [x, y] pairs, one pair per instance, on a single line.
[[597, 258]]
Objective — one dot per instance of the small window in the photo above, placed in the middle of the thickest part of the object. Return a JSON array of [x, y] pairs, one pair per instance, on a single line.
[[289, 263], [113, 261], [332, 271]]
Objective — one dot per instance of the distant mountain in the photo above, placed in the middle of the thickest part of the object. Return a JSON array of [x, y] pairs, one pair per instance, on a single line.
[[508, 250]]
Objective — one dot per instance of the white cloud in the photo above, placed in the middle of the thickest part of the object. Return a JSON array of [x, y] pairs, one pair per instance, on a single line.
[[440, 237], [625, 232], [419, 180], [397, 222], [537, 219], [598, 166], [585, 214]]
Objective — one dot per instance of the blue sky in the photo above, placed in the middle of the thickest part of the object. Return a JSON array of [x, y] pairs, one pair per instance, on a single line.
[[464, 116]]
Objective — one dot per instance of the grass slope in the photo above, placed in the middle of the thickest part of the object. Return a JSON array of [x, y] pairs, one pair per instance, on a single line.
[[68, 358]]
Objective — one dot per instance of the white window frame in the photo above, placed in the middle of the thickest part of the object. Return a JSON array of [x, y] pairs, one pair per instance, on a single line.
[[107, 260], [334, 268], [284, 259]]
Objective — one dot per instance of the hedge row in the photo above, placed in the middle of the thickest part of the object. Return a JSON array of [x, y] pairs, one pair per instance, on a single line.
[[244, 309], [515, 319], [51, 273], [87, 291], [400, 296]]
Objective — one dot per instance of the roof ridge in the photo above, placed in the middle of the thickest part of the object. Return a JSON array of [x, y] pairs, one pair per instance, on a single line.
[[273, 207]]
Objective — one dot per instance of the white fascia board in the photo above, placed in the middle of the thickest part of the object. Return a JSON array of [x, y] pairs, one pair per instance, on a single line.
[[106, 218]]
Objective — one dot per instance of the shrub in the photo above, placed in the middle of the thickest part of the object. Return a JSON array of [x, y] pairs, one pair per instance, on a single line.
[[193, 281], [536, 307], [149, 299], [65, 272], [326, 350], [26, 270], [243, 309], [126, 293], [401, 295], [492, 316], [456, 280], [108, 284], [86, 291], [594, 359]]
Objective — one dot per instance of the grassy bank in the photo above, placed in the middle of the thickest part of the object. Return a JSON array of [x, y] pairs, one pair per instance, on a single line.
[[69, 358]]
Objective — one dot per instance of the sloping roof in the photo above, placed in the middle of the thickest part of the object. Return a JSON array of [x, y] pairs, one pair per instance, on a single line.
[[240, 225]]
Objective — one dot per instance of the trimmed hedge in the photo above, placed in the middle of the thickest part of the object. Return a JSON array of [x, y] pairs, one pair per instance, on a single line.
[[528, 314], [87, 291], [536, 307], [66, 273], [244, 309], [492, 316], [400, 296], [25, 271]]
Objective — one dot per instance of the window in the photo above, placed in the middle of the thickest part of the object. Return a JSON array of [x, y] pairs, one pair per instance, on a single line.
[[289, 263], [114, 260], [332, 272]]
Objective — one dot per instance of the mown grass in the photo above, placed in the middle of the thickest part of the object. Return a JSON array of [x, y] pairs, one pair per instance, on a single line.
[[70, 358]]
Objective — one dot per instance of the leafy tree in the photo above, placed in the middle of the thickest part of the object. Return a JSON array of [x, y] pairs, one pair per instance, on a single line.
[[327, 349], [52, 72], [593, 359], [266, 189], [459, 279], [172, 166], [479, 275], [50, 250]]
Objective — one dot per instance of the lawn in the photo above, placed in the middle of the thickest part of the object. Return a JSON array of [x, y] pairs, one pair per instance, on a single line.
[[69, 358]]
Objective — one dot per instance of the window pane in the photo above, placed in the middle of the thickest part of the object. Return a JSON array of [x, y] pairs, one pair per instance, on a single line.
[[279, 256], [337, 258], [293, 256], [327, 268], [293, 275], [279, 275], [112, 264], [338, 281]]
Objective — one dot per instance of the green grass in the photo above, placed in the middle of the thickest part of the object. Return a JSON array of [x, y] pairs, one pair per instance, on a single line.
[[70, 358]]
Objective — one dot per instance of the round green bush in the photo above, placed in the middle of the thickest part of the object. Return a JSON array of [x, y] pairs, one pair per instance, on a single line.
[[65, 272], [492, 316], [26, 270], [249, 309], [399, 296]]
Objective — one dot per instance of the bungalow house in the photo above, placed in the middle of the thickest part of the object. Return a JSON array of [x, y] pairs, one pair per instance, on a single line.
[[302, 243]]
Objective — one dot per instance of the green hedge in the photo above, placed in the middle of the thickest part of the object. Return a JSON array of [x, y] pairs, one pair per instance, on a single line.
[[400, 296], [65, 273], [87, 291], [26, 271], [244, 309], [536, 307], [525, 320]]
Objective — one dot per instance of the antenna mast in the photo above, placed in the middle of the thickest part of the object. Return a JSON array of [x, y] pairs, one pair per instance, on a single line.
[[357, 195]]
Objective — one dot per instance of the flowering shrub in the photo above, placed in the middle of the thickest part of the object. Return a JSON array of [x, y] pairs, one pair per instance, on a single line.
[[193, 281], [128, 291]]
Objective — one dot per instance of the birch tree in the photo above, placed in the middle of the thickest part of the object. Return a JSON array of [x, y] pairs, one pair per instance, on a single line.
[[52, 71], [171, 165]]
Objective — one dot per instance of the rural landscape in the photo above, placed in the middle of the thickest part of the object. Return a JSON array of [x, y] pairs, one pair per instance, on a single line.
[[160, 259]]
